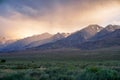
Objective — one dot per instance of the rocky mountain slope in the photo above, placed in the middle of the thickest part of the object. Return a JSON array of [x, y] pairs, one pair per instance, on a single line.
[[91, 37], [21, 44], [74, 39], [33, 41], [108, 29], [54, 38], [109, 40]]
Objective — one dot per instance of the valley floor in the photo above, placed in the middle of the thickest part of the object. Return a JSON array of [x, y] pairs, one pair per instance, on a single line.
[[65, 64]]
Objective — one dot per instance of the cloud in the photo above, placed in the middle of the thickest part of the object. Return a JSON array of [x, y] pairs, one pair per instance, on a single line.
[[21, 18]]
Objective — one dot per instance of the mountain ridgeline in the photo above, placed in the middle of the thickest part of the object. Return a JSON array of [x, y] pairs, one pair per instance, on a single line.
[[89, 38], [33, 41]]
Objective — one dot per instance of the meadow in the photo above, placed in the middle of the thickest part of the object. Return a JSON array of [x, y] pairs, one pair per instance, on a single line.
[[65, 64]]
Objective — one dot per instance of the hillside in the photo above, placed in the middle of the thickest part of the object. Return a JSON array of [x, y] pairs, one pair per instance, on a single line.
[[33, 41], [53, 38], [110, 40], [92, 37], [108, 29], [21, 43], [74, 39]]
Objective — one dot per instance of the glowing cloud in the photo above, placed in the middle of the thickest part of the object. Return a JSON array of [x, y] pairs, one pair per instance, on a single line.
[[22, 18]]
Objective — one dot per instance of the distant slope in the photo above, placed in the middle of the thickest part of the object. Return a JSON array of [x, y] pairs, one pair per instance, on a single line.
[[74, 39], [108, 29], [91, 37], [110, 40], [20, 44], [34, 41], [2, 40], [85, 34], [53, 38], [7, 42]]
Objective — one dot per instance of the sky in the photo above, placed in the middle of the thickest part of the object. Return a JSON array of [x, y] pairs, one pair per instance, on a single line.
[[22, 18]]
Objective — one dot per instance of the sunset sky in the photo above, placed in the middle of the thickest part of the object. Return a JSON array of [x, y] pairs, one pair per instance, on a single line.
[[22, 18]]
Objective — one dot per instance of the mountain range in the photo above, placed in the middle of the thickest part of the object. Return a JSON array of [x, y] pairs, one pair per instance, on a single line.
[[89, 38], [111, 39], [33, 41]]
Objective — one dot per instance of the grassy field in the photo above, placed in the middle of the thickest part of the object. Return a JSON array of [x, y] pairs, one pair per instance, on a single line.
[[64, 64]]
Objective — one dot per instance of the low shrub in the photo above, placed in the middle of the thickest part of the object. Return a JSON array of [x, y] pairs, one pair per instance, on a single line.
[[16, 77], [2, 61], [94, 73]]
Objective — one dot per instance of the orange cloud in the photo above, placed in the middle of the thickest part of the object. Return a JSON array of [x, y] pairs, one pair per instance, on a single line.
[[64, 18]]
